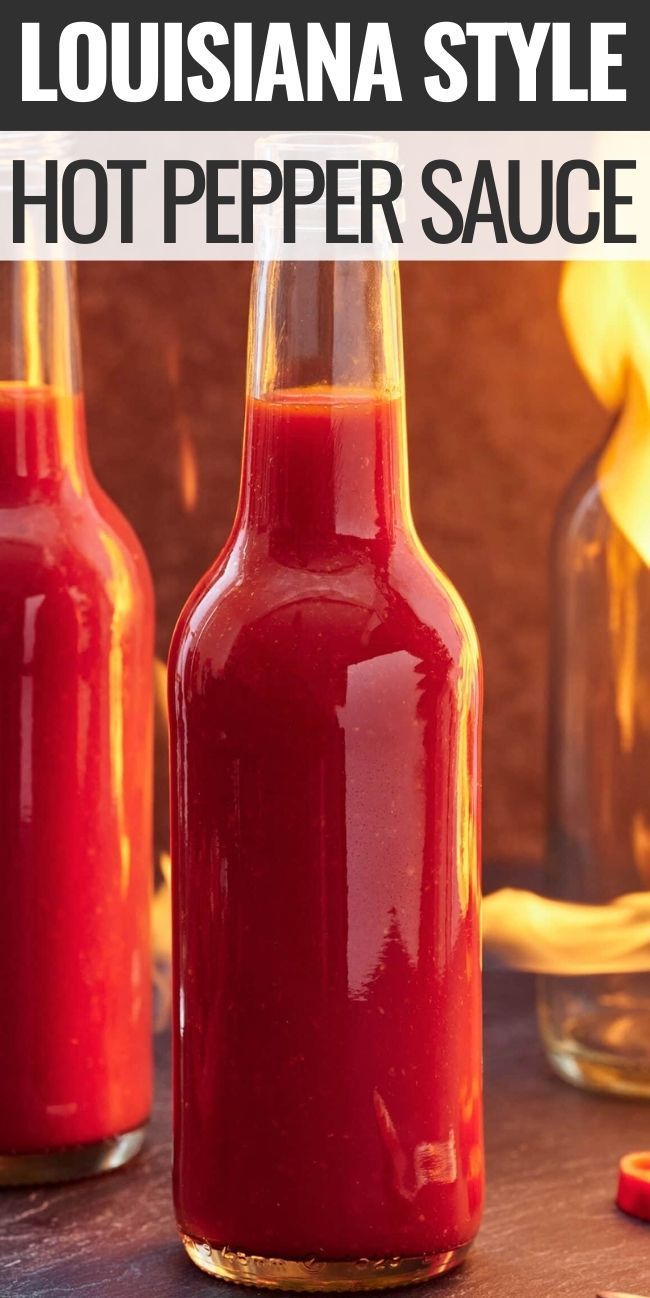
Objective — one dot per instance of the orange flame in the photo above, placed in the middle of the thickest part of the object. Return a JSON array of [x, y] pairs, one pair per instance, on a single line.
[[605, 307], [188, 473], [188, 466], [531, 933], [161, 919], [161, 938]]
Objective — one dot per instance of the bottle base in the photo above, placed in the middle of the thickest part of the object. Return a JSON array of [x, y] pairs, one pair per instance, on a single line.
[[72, 1164], [596, 1032], [596, 1072], [316, 1276]]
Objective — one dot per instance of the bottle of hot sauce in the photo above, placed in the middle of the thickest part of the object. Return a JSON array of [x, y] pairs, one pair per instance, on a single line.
[[76, 617], [325, 690]]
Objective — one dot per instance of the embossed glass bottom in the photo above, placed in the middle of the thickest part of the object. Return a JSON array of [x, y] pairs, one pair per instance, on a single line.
[[317, 1276], [71, 1164]]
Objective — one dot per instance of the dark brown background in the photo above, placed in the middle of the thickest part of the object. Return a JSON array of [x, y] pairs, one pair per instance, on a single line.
[[499, 418]]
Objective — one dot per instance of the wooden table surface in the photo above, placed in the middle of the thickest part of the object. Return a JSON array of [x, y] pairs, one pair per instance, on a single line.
[[551, 1229]]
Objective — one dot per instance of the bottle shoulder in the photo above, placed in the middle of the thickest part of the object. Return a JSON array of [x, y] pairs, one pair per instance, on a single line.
[[114, 524], [80, 540], [370, 603]]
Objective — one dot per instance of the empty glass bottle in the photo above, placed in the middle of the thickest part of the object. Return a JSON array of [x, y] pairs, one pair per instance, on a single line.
[[597, 1029]]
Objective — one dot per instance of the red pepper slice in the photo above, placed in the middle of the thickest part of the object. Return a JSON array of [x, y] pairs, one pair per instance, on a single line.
[[634, 1185]]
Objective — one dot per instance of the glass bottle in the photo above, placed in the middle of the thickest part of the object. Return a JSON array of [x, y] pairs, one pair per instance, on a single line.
[[76, 618], [325, 696], [596, 1029]]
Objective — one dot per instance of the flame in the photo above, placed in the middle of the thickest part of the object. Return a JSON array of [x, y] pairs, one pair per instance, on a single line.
[[188, 472], [188, 467], [161, 918], [532, 933], [605, 307], [161, 924], [161, 940], [160, 686]]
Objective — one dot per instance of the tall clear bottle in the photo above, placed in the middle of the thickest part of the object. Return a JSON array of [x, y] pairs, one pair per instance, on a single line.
[[325, 696], [596, 1029], [76, 620]]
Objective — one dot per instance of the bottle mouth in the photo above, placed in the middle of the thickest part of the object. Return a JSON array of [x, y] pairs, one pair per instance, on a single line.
[[320, 147]]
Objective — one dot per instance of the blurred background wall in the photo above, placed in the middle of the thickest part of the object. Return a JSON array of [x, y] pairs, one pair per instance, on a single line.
[[499, 419]]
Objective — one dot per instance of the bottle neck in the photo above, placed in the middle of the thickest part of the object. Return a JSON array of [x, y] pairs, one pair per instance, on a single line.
[[325, 445], [623, 470], [42, 435]]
